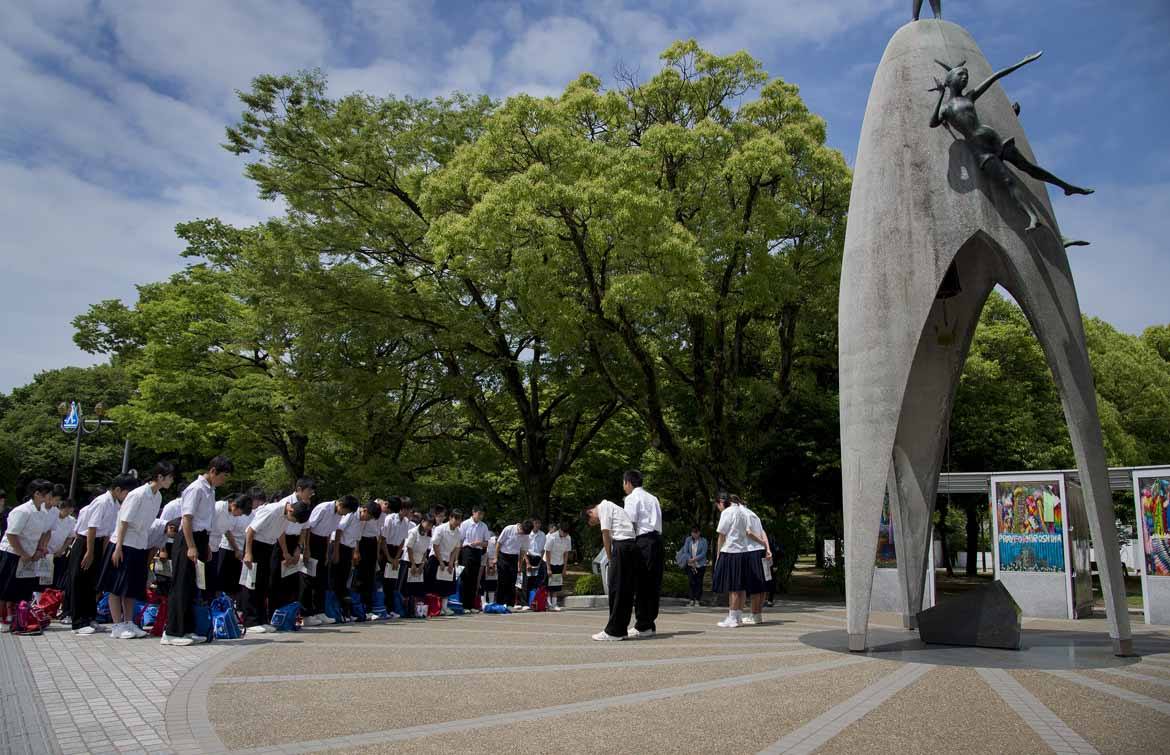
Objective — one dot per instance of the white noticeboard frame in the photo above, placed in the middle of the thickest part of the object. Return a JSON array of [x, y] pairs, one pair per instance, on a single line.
[[1155, 588], [1029, 589]]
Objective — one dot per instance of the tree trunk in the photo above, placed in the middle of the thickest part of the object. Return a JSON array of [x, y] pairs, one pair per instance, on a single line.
[[972, 537]]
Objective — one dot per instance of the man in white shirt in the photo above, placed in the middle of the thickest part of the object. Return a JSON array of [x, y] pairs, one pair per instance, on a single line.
[[474, 534], [265, 552], [534, 568], [510, 543], [445, 543], [296, 541], [365, 576], [323, 524], [229, 555], [395, 528], [192, 545], [646, 514], [29, 525], [95, 524], [556, 546], [345, 552], [617, 537]]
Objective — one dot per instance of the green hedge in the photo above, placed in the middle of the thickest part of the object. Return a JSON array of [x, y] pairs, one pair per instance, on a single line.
[[675, 584], [589, 584]]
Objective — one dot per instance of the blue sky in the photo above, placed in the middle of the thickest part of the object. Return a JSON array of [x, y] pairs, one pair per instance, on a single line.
[[112, 115]]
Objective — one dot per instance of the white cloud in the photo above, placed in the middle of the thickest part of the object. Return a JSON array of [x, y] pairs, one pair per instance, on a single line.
[[761, 25], [554, 51]]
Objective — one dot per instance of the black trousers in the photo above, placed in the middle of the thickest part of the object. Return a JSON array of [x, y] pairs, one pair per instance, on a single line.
[[339, 576], [506, 574], [390, 584], [471, 558], [367, 571], [313, 588], [181, 606], [256, 608], [284, 590], [622, 579], [81, 598], [227, 571], [696, 578], [649, 586], [532, 581]]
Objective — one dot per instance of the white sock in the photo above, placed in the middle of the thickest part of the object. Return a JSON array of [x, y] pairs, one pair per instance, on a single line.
[[443, 605], [737, 615]]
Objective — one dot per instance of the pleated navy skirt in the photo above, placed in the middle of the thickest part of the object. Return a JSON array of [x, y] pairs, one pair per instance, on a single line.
[[127, 579]]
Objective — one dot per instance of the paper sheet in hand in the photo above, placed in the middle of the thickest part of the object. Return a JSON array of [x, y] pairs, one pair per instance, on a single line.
[[768, 568], [45, 570], [248, 576], [162, 568], [389, 572], [311, 567], [27, 570], [297, 567], [444, 574], [200, 574], [414, 576], [556, 580]]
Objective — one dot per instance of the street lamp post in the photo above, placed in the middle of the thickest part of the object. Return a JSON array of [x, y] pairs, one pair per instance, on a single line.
[[73, 421]]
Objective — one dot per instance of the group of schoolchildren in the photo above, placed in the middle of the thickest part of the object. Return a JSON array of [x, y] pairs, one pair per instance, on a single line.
[[328, 560]]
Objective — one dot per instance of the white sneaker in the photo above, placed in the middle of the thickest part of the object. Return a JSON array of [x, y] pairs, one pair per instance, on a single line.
[[645, 634], [125, 633], [176, 641], [269, 629], [137, 631], [116, 631], [556, 608], [196, 639], [326, 619], [749, 620], [258, 629], [393, 615], [371, 617], [757, 618], [446, 612], [5, 627], [312, 621], [729, 623], [85, 631], [603, 637]]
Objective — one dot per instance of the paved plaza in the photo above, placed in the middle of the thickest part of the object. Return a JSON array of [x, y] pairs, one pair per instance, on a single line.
[[535, 683]]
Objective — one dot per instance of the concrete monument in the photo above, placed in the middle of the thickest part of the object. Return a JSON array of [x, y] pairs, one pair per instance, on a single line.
[[930, 234]]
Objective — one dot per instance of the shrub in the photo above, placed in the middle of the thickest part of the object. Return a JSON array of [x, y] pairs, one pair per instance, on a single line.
[[589, 584], [675, 584]]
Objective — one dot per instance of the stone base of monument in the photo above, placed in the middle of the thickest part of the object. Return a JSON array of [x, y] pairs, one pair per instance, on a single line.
[[985, 617]]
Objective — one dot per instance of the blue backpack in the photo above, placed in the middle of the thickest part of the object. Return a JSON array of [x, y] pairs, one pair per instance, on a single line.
[[285, 617], [333, 607], [357, 609], [103, 609], [203, 625], [496, 608], [225, 620], [149, 615], [455, 602], [379, 607]]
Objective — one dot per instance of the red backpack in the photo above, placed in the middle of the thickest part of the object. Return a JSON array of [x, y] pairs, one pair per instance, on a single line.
[[160, 619], [540, 600], [28, 619], [434, 605], [50, 602]]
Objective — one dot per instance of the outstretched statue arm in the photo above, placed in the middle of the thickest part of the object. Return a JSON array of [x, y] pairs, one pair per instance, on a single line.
[[978, 91], [936, 118]]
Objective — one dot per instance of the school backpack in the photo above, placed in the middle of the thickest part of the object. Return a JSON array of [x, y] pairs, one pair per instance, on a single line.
[[496, 608], [333, 607], [225, 619], [159, 624], [203, 625], [379, 607], [24, 621], [420, 609], [434, 605], [50, 602], [103, 609], [149, 615], [140, 613], [538, 599], [285, 617], [357, 609]]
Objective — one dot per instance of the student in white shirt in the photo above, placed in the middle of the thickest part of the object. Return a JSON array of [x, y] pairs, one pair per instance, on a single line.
[[646, 514], [473, 535], [534, 567], [488, 578], [60, 540], [510, 543], [445, 543], [365, 559], [617, 536], [322, 525], [757, 575], [288, 589], [733, 561], [226, 511], [95, 524], [556, 546], [411, 575], [264, 550], [345, 552], [29, 525], [124, 569], [395, 527], [229, 554]]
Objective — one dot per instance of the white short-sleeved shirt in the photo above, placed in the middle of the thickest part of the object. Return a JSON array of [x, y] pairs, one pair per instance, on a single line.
[[419, 545], [473, 532], [268, 523], [645, 511], [756, 527], [28, 523], [62, 529], [351, 526], [323, 519], [556, 546], [221, 522], [446, 539], [491, 548], [536, 543], [198, 502], [395, 529], [511, 540], [239, 529], [615, 519], [172, 511], [138, 510], [101, 514], [156, 537], [372, 527], [733, 525]]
